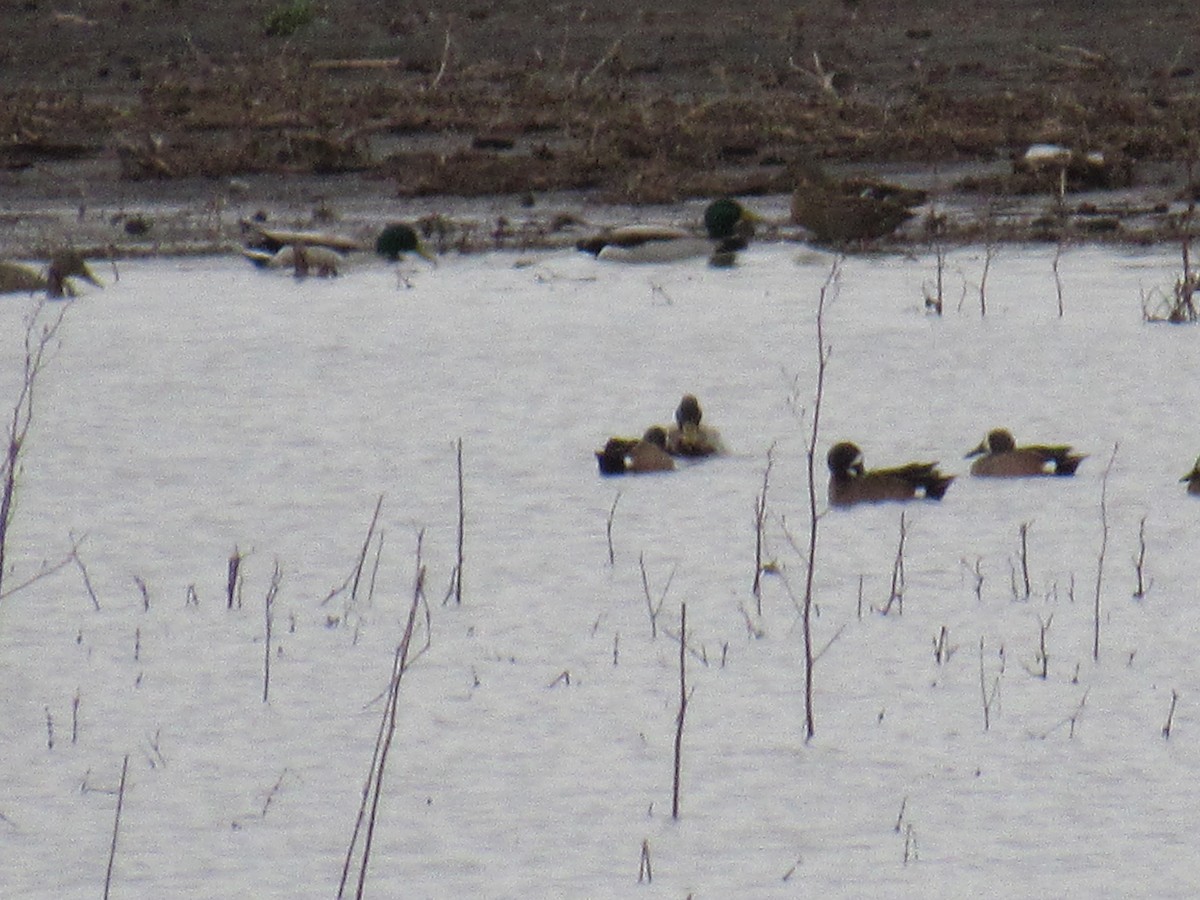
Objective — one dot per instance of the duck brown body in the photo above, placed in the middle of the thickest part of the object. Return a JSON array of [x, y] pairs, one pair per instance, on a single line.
[[851, 483], [1000, 457]]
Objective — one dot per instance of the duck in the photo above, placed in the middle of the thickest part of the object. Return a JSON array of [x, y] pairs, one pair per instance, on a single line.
[[850, 482], [687, 437], [728, 228], [622, 456], [322, 252], [1000, 457], [1193, 479], [302, 259], [840, 212], [18, 278], [398, 238]]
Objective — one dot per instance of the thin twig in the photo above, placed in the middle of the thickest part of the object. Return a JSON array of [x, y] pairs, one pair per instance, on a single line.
[[112, 848]]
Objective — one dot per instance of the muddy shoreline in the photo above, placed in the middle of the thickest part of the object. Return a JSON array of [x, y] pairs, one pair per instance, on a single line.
[[131, 129]]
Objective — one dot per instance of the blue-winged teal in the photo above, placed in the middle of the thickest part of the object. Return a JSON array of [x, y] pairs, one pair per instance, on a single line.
[[622, 456], [687, 436], [18, 278], [850, 482], [728, 228], [1002, 458], [1193, 479]]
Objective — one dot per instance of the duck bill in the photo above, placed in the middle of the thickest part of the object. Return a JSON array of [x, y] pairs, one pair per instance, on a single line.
[[982, 448]]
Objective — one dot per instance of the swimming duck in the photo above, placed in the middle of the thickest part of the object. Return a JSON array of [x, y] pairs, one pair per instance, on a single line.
[[1193, 479], [851, 483], [397, 239], [16, 278], [1001, 457], [628, 455], [728, 228], [687, 437]]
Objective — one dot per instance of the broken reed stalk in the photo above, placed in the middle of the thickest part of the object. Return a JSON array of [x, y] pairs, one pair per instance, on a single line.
[[1166, 729], [269, 615], [988, 697], [231, 578], [1043, 655], [651, 608], [1025, 559], [462, 514], [989, 252], [1100, 556], [644, 872], [362, 555], [823, 353], [760, 517], [897, 591], [368, 810], [37, 344], [112, 847], [608, 528], [1139, 562], [87, 581], [683, 700], [1058, 285]]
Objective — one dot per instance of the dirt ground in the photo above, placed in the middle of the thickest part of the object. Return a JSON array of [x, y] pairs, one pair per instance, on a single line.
[[119, 117]]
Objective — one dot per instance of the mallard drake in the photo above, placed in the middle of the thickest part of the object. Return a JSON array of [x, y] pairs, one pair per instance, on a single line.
[[850, 482], [1002, 458], [687, 436], [397, 239], [1193, 479], [728, 228], [622, 456], [17, 278]]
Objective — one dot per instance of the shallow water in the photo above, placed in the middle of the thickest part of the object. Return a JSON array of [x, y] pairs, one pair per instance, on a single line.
[[197, 406]]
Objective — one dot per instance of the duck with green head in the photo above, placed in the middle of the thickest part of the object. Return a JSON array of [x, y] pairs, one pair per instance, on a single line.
[[850, 482], [1000, 457], [728, 227], [399, 238]]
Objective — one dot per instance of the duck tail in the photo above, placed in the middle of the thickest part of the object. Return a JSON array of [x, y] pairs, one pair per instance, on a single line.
[[1066, 463], [936, 484]]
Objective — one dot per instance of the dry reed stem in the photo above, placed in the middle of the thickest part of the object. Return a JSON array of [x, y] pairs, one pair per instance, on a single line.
[[1100, 556], [760, 515], [608, 528], [368, 810], [268, 614], [37, 344], [823, 353], [683, 701], [112, 847]]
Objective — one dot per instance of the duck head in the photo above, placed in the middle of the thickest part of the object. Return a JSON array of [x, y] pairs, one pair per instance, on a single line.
[[397, 239], [688, 412], [845, 460], [656, 435], [998, 440], [727, 220]]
